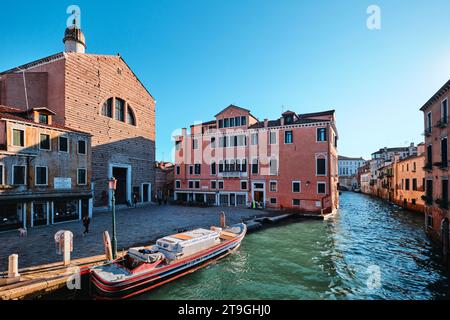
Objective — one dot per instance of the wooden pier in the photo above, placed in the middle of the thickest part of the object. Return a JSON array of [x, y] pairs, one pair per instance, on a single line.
[[36, 282]]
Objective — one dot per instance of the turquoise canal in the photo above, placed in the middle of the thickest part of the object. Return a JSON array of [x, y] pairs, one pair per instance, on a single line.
[[326, 260]]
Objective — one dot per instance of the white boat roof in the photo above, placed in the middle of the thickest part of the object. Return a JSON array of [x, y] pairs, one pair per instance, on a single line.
[[190, 236]]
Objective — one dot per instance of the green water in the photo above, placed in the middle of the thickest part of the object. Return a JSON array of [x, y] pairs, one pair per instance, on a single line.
[[325, 260]]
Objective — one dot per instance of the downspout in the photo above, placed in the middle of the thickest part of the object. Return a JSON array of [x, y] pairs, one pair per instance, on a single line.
[[329, 165], [25, 87]]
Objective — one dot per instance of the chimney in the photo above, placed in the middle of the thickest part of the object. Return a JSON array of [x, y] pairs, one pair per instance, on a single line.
[[74, 40], [266, 123], [282, 121]]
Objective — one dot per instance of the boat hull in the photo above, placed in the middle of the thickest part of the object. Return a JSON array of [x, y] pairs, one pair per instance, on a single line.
[[103, 290]]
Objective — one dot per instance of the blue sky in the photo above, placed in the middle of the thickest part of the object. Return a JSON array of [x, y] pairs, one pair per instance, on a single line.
[[198, 56]]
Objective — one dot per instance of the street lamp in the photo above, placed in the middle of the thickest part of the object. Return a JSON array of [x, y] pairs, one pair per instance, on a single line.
[[112, 187]]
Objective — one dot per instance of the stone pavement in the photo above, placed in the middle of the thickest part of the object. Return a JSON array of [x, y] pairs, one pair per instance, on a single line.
[[140, 226]]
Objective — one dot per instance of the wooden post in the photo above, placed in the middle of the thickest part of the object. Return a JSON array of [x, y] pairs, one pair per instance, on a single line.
[[67, 247], [223, 221], [13, 266], [108, 246]]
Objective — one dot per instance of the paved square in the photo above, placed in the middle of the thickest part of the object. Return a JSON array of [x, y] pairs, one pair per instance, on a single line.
[[140, 226]]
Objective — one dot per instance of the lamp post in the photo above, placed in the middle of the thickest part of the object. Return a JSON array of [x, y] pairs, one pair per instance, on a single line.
[[112, 187]]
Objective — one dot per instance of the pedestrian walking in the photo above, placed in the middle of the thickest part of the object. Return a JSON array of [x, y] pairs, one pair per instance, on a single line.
[[86, 223]]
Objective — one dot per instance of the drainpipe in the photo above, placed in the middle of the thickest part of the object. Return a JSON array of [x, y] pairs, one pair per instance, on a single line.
[[329, 165]]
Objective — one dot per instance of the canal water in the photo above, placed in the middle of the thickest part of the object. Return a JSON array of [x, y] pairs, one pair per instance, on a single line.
[[370, 250]]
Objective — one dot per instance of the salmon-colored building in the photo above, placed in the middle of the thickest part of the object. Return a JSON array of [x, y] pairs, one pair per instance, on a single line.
[[409, 181], [100, 95], [237, 160], [436, 123]]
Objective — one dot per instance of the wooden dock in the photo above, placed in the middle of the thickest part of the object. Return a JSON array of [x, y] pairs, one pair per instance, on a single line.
[[36, 282]]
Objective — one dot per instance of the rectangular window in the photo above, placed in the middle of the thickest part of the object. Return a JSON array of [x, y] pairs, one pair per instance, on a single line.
[[254, 139], [296, 203], [273, 167], [178, 184], [120, 110], [255, 166], [198, 169], [81, 147], [213, 185], [237, 121], [273, 137], [444, 201], [414, 184], [407, 184], [195, 144], [2, 182], [336, 142], [273, 200], [322, 134], [221, 166], [429, 192], [296, 186], [82, 177], [220, 124], [444, 154], [273, 186], [197, 184], [177, 170], [288, 137], [18, 138], [43, 118], [321, 188], [41, 176], [244, 185], [429, 122], [244, 165], [213, 143], [19, 173], [243, 121], [213, 169], [191, 170], [444, 111], [191, 184], [321, 167], [231, 122], [226, 122], [429, 156], [220, 185], [44, 142], [177, 145], [63, 143]]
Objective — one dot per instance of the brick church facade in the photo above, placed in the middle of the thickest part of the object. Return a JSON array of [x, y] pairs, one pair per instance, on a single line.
[[99, 95]]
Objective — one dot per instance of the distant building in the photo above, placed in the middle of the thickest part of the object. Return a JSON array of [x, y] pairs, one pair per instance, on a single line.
[[237, 160], [164, 182], [437, 130], [348, 166], [45, 170]]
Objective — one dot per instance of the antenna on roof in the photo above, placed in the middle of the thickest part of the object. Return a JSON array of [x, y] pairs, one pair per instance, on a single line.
[[282, 109]]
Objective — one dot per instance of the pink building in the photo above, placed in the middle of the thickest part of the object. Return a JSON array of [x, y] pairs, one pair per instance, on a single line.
[[237, 160]]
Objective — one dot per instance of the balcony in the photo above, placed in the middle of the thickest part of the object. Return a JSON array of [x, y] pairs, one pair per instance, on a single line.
[[427, 199], [443, 203], [442, 123], [427, 132], [233, 174], [441, 165], [428, 167]]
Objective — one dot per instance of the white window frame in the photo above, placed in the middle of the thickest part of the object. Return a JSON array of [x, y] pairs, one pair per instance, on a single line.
[[210, 168], [296, 205], [251, 167], [59, 145], [277, 168], [276, 185], [49, 142], [240, 185], [274, 132], [85, 147], [254, 134], [177, 170], [189, 184], [300, 187], [326, 166], [210, 185], [193, 170], [321, 183], [25, 175], [218, 185], [292, 136], [177, 182], [35, 176], [24, 137], [85, 177], [276, 200], [317, 136]]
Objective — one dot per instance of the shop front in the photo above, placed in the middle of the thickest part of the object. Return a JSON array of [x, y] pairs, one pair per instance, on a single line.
[[11, 216]]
